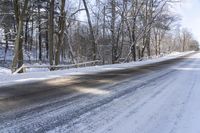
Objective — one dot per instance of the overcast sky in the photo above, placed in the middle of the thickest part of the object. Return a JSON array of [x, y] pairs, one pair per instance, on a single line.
[[190, 12]]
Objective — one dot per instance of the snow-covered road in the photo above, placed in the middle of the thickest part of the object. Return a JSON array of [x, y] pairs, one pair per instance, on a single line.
[[173, 104], [157, 98]]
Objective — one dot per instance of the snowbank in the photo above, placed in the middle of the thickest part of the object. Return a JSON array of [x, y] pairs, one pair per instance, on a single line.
[[4, 72], [9, 79]]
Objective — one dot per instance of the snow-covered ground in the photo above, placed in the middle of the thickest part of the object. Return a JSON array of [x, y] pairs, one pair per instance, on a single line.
[[6, 78], [169, 104], [173, 109], [4, 71], [156, 99]]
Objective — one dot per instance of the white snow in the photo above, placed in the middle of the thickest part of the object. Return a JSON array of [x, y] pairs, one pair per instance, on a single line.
[[169, 104], [4, 72], [9, 79], [163, 101], [174, 110]]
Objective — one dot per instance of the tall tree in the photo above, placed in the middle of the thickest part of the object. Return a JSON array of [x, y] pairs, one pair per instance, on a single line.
[[60, 32], [112, 29], [20, 12], [94, 45], [51, 31], [39, 30]]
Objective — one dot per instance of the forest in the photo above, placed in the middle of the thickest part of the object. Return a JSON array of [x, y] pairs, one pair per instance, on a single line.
[[58, 32]]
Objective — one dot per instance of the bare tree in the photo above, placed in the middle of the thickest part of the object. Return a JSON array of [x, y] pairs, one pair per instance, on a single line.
[[51, 31], [19, 16], [94, 45], [60, 32]]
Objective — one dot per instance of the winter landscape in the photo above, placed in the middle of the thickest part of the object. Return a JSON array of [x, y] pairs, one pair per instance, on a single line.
[[99, 66]]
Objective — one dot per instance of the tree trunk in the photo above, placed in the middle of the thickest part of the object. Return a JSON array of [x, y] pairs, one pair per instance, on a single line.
[[51, 31], [148, 43], [133, 48], [6, 38], [18, 51], [104, 21], [61, 33], [114, 49], [39, 30], [133, 45], [26, 33], [94, 45], [47, 44], [31, 44]]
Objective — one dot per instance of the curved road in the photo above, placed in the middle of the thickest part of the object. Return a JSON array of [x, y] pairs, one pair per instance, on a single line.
[[160, 97]]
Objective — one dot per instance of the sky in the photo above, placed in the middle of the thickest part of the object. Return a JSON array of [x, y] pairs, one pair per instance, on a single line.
[[190, 13]]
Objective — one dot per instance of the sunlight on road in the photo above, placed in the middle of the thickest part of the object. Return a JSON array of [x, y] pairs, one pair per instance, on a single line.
[[92, 91]]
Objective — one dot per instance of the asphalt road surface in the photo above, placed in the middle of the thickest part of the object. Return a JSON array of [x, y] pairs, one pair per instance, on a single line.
[[160, 97]]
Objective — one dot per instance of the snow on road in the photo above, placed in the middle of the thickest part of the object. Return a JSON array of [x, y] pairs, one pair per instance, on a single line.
[[162, 100], [174, 110], [169, 104], [9, 79]]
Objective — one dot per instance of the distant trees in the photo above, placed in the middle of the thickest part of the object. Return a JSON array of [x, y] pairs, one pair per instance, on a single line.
[[187, 41], [6, 22], [67, 31]]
